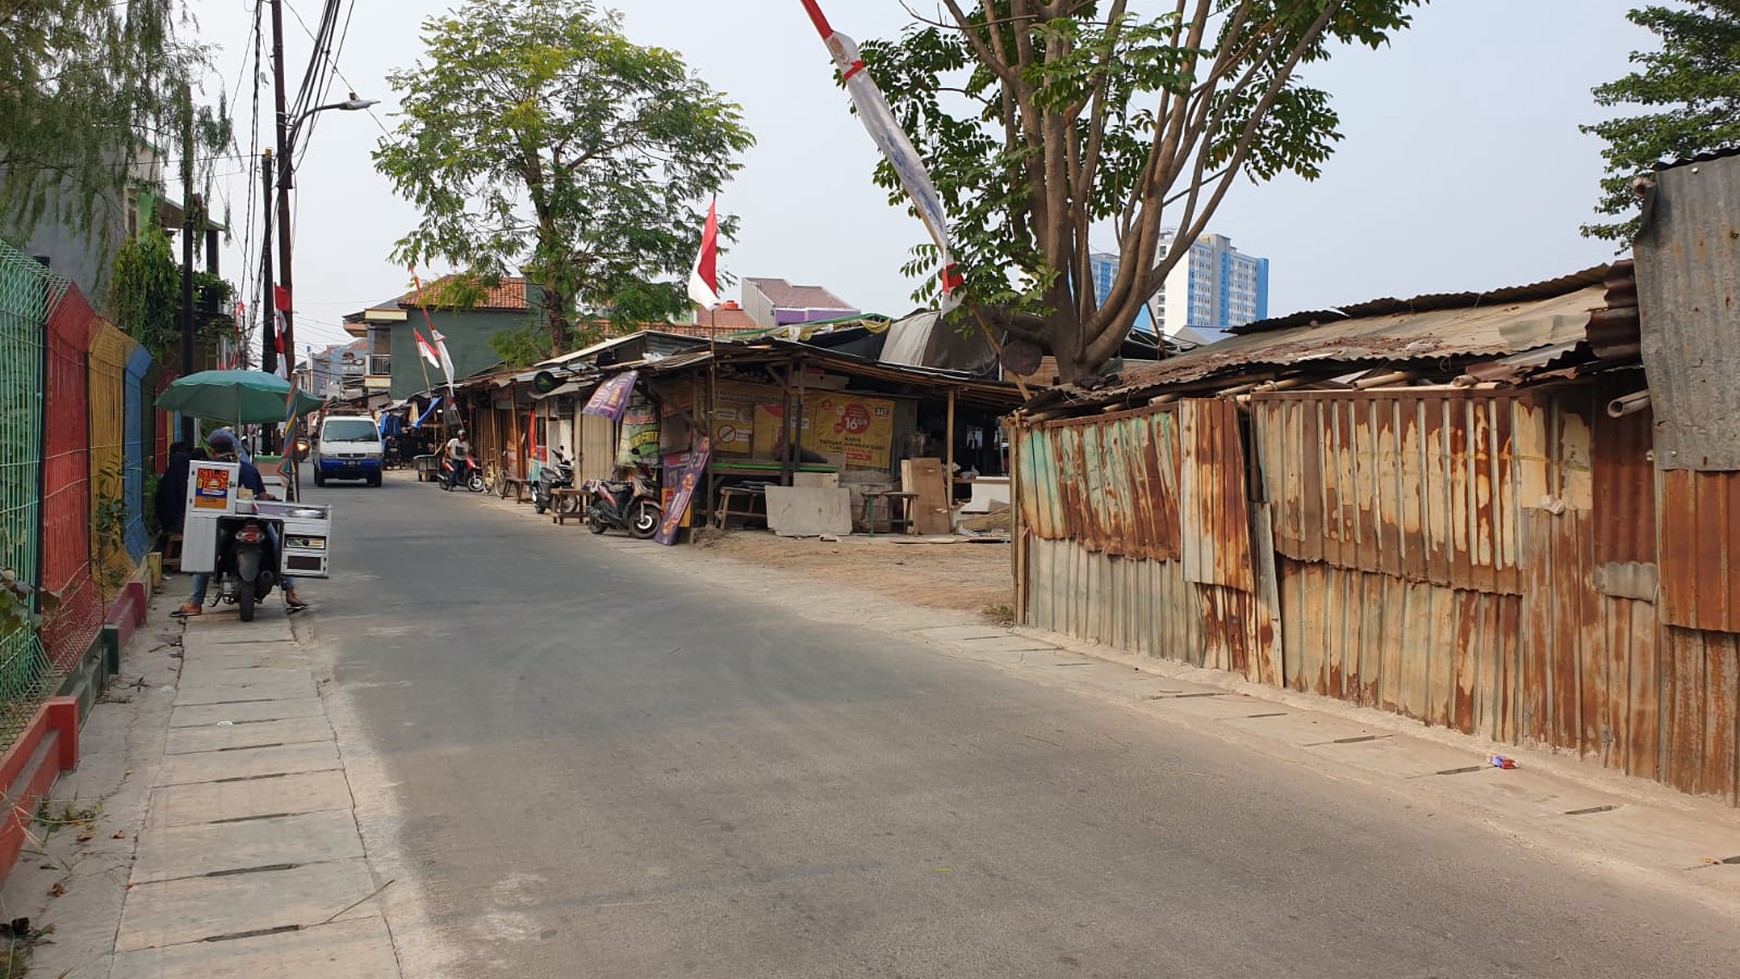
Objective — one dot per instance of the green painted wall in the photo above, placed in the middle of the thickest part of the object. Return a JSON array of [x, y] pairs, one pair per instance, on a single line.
[[467, 334]]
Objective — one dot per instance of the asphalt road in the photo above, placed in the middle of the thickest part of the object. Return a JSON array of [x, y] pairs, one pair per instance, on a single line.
[[607, 770]]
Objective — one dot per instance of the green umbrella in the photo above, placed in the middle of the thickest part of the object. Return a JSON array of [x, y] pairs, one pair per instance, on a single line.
[[242, 397]]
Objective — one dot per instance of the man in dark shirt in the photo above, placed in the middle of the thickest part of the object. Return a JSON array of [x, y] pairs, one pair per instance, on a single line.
[[223, 449]]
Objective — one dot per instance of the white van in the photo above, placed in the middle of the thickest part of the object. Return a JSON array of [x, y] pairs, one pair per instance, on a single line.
[[349, 447]]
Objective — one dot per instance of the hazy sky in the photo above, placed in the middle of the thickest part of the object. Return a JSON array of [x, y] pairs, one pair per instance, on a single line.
[[1462, 166]]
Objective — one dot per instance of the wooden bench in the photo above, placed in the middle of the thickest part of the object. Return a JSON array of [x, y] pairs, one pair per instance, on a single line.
[[517, 485], [747, 494], [568, 503], [899, 510]]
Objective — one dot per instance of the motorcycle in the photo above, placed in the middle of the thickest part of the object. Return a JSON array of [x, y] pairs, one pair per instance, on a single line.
[[247, 563], [557, 474], [628, 504], [468, 474]]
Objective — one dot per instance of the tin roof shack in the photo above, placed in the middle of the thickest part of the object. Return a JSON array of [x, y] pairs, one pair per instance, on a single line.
[[775, 408], [1425, 506]]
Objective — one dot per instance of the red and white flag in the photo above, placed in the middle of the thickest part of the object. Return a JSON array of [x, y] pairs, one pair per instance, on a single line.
[[879, 120], [280, 306], [704, 277], [441, 351], [425, 350]]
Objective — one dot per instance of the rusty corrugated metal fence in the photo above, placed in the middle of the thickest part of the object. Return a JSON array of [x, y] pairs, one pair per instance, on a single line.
[[1477, 560]]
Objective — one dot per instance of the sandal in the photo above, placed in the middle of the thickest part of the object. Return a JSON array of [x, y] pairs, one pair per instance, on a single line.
[[187, 611], [294, 604]]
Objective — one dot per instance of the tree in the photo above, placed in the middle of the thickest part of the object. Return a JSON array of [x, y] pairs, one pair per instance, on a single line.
[[538, 135], [86, 87], [1694, 79], [1045, 120], [145, 297]]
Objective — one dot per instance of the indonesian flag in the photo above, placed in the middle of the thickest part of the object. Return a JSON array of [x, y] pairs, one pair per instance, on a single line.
[[704, 277], [280, 306], [424, 349], [441, 349], [879, 120]]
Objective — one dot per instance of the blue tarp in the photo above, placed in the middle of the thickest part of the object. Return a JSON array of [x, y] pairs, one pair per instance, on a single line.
[[432, 406]]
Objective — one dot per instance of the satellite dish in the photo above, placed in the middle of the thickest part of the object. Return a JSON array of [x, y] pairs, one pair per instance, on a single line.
[[545, 382]]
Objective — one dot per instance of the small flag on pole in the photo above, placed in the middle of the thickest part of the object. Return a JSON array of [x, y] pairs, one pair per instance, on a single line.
[[425, 350], [704, 277], [280, 306]]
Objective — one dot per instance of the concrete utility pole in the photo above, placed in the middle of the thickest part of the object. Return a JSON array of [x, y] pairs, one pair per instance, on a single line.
[[268, 355], [283, 119], [190, 205]]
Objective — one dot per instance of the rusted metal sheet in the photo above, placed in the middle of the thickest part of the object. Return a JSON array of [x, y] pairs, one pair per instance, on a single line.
[[1216, 545], [1444, 656], [1422, 487], [1688, 279], [1700, 686], [1142, 606], [1624, 495], [1700, 541], [1109, 483]]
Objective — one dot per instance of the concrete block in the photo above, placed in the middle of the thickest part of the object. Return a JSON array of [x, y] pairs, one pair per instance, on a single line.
[[233, 686], [816, 480], [224, 626], [216, 766], [203, 715], [296, 730], [199, 908], [174, 852], [346, 949], [210, 802], [794, 511]]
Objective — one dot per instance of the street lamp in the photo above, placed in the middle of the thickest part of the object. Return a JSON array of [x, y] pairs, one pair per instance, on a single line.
[[286, 167]]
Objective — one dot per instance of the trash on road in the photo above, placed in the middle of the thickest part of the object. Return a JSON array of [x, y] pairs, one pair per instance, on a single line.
[[1500, 761]]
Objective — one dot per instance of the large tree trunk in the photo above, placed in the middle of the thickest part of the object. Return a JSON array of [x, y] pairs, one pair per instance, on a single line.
[[1063, 335]]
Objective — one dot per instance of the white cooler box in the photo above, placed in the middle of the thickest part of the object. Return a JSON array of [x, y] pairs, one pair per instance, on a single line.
[[307, 536]]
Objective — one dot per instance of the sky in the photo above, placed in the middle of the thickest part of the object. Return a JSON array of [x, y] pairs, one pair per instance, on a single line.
[[1462, 166]]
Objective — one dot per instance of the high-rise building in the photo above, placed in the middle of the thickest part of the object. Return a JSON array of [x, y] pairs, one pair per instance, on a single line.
[[1216, 288]]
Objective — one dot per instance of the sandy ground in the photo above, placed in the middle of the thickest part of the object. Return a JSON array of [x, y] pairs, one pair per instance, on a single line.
[[973, 577]]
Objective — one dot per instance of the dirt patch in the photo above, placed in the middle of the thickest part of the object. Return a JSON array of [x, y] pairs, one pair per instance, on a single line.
[[972, 577]]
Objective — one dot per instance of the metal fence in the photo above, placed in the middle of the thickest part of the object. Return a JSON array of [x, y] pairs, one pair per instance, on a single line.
[[25, 290]]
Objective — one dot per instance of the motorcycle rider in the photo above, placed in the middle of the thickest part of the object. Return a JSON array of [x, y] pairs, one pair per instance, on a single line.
[[456, 451], [224, 449]]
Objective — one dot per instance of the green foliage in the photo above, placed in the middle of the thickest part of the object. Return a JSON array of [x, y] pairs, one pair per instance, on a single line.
[[86, 88], [109, 531], [145, 297], [1043, 121], [145, 292], [1694, 80], [537, 136]]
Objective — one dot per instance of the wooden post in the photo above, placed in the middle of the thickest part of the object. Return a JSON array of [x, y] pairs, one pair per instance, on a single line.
[[514, 430], [949, 454]]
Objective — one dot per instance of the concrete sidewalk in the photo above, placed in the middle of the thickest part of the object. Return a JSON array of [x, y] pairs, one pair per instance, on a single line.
[[250, 863], [218, 835]]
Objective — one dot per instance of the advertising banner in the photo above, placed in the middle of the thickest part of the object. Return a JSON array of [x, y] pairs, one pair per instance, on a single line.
[[611, 398], [683, 479]]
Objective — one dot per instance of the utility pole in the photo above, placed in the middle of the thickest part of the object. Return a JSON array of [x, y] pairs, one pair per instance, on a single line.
[[268, 352], [284, 163], [190, 205]]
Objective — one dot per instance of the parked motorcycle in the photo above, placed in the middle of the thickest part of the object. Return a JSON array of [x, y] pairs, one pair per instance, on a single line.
[[468, 474], [557, 474], [627, 504], [247, 563]]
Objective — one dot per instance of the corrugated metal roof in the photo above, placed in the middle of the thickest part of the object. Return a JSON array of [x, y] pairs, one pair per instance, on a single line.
[[1546, 289], [1704, 157], [1494, 330]]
